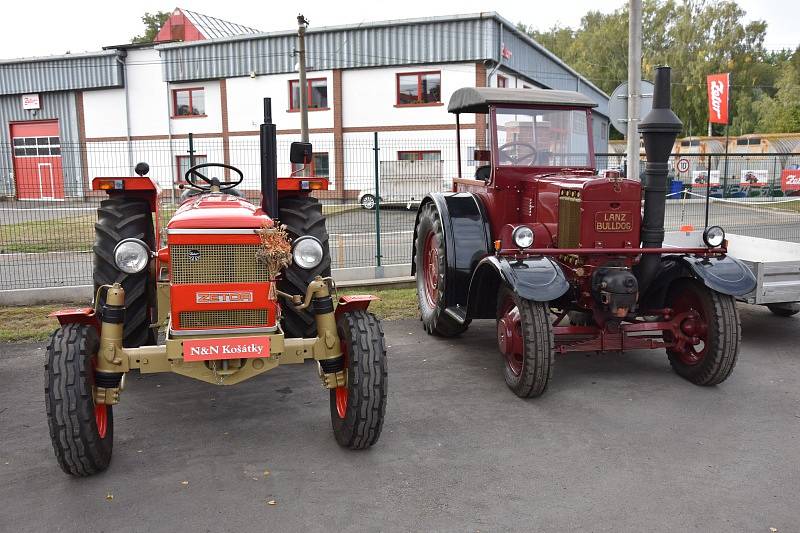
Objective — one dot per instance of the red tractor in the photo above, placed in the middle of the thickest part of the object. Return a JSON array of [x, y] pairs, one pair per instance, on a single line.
[[565, 260], [238, 289]]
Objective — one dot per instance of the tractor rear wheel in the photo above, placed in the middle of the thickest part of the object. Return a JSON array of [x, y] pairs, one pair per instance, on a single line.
[[431, 271], [525, 339], [716, 328], [302, 215], [357, 409], [82, 432], [786, 309], [117, 219]]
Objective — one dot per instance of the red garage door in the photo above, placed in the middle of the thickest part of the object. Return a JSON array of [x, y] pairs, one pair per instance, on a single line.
[[37, 160]]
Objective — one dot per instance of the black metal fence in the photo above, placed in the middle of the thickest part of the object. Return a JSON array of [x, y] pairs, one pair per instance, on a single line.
[[47, 207]]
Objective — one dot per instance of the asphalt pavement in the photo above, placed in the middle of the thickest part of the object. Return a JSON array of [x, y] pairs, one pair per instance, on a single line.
[[618, 443]]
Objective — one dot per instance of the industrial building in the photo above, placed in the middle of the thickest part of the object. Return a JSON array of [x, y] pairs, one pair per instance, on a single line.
[[66, 119]]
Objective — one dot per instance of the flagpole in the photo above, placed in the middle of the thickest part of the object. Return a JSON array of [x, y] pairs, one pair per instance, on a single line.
[[727, 139]]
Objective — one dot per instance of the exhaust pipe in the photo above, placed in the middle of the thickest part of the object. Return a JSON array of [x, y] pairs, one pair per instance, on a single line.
[[269, 162], [659, 130]]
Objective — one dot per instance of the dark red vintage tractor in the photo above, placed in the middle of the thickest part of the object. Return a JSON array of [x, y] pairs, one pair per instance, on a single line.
[[566, 260], [237, 288]]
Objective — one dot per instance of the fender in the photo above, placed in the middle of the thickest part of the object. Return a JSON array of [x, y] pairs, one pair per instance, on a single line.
[[355, 302], [77, 315], [536, 278], [724, 274], [467, 238]]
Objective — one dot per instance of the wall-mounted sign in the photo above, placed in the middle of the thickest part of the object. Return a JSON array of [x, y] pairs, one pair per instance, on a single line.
[[30, 101], [790, 180], [754, 177], [700, 178]]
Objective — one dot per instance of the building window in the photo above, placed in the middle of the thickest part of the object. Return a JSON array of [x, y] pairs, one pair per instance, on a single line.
[[319, 166], [317, 95], [36, 146], [419, 88], [189, 102], [419, 155], [502, 82], [183, 164]]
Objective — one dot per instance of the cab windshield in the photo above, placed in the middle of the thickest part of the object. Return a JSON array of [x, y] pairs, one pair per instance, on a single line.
[[542, 137]]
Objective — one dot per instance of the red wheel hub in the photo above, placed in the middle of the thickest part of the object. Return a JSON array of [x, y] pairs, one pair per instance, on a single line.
[[342, 393], [509, 335], [695, 328], [100, 411], [430, 269]]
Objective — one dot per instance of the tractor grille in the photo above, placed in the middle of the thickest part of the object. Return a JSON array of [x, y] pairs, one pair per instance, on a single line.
[[569, 218], [216, 263], [223, 319]]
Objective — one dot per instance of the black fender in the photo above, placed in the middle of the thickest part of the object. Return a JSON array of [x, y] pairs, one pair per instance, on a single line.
[[535, 278], [724, 274], [467, 237]]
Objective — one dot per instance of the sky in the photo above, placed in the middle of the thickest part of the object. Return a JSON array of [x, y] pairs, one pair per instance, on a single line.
[[56, 27]]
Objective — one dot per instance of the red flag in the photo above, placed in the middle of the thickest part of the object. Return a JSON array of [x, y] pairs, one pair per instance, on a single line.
[[718, 96], [505, 51]]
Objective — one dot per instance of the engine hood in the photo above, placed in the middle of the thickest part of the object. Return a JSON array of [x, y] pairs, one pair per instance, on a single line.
[[218, 211]]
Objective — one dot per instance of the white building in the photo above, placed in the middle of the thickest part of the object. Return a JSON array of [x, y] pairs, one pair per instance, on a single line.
[[67, 119]]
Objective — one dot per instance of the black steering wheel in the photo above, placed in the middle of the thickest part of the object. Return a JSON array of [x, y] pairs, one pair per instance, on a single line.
[[210, 182], [517, 157]]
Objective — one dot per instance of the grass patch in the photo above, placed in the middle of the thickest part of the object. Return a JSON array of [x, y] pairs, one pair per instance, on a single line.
[[793, 206], [68, 234], [31, 323]]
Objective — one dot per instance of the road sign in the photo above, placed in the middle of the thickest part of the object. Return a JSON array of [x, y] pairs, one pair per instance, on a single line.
[[683, 165], [618, 104]]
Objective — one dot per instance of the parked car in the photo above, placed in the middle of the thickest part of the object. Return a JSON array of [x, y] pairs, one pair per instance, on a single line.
[[404, 183]]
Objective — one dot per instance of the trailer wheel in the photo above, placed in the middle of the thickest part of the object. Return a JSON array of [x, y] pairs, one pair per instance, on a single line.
[[123, 218], [368, 202], [429, 260], [525, 339], [785, 309], [717, 329], [302, 215], [82, 432], [357, 409]]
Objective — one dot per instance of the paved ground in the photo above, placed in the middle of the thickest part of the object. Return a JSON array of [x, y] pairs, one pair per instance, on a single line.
[[618, 443]]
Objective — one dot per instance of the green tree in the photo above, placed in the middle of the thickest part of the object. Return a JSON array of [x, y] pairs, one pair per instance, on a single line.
[[152, 23], [781, 114]]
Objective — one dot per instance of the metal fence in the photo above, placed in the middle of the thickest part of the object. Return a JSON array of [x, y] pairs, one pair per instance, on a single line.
[[48, 211]]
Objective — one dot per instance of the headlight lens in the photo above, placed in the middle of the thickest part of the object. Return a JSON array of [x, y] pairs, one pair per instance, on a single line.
[[523, 236], [307, 252], [131, 256], [714, 236]]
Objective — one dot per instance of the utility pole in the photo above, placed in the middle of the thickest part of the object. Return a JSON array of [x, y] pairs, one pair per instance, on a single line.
[[302, 24], [634, 85]]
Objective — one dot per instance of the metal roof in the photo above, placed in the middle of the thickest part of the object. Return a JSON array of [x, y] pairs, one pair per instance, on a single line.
[[214, 28], [93, 70], [478, 99]]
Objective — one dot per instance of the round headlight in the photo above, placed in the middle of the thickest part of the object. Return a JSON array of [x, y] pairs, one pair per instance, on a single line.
[[523, 236], [714, 236], [131, 256], [307, 252]]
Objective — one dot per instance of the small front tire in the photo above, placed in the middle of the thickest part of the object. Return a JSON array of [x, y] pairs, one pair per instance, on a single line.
[[357, 409], [82, 432]]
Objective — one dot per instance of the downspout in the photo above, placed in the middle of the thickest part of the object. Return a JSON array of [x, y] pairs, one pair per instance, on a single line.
[[497, 63], [172, 159], [121, 58]]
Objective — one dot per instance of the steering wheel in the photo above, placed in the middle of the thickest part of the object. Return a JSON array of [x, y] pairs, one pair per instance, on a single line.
[[515, 158], [210, 182]]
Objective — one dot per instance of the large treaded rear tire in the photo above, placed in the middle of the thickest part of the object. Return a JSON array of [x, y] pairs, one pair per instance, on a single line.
[[69, 376], [121, 218], [430, 237], [302, 215], [358, 418]]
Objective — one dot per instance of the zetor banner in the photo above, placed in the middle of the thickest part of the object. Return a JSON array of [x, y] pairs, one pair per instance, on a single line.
[[718, 96], [790, 180]]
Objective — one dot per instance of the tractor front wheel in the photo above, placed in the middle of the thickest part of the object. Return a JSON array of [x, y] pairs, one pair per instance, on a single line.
[[785, 310], [431, 271], [82, 432], [357, 409], [713, 328], [302, 215], [525, 339]]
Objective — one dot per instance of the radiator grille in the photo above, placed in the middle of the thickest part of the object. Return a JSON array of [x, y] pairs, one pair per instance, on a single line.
[[215, 263], [223, 319], [569, 218]]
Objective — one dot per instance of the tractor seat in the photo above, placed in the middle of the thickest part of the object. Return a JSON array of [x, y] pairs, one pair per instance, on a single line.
[[483, 173]]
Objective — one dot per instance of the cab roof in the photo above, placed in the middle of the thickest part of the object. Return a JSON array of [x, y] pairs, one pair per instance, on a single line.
[[478, 99]]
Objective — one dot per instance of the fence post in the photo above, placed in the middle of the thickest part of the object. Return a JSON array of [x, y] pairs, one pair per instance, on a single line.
[[378, 255], [708, 189]]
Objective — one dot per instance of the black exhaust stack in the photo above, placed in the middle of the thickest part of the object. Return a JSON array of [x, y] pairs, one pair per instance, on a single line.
[[659, 130], [269, 162]]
